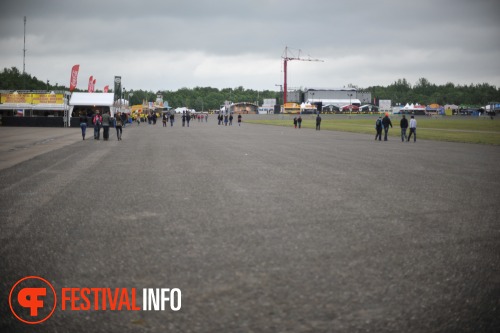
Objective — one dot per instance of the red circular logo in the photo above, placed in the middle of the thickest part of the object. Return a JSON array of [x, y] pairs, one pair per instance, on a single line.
[[33, 302]]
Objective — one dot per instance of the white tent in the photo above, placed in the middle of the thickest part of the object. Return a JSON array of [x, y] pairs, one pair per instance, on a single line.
[[91, 99], [104, 100]]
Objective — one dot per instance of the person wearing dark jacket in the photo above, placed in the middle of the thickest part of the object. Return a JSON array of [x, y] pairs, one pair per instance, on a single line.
[[378, 128], [106, 122], [404, 125], [386, 122], [318, 122]]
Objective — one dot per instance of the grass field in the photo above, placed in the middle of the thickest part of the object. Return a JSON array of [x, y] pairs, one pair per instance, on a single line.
[[481, 130]]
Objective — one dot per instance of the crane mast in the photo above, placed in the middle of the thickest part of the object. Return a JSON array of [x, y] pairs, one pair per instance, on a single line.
[[288, 56]]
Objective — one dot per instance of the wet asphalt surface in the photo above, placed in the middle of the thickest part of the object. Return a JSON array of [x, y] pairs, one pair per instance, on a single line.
[[263, 229]]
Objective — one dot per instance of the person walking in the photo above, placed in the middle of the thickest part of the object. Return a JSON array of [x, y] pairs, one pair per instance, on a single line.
[[239, 120], [386, 122], [119, 126], [378, 128], [124, 119], [231, 120], [164, 120], [97, 121], [318, 122], [299, 121], [295, 122], [183, 118], [413, 129], [225, 120], [83, 123], [404, 125], [188, 118], [106, 121], [172, 119]]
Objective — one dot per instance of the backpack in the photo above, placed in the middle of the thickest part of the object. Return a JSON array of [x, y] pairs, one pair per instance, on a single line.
[[378, 123]]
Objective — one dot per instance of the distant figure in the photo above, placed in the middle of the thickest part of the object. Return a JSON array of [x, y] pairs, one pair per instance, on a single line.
[[105, 125], [206, 117], [239, 120], [231, 120], [299, 121], [172, 119], [183, 118], [225, 120], [318, 122], [404, 125], [378, 128], [83, 123], [295, 122], [97, 121], [413, 129], [386, 122], [164, 120], [124, 119], [118, 126], [188, 118]]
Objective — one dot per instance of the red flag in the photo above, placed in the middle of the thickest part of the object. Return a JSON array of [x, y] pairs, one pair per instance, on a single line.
[[90, 83], [106, 88], [93, 85], [74, 77]]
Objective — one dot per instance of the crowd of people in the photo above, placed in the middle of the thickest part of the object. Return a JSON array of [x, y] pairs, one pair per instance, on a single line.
[[385, 122], [119, 121], [227, 119], [104, 121]]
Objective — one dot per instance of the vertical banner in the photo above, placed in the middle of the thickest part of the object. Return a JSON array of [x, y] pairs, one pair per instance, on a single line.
[[90, 83], [74, 77], [93, 85], [118, 87], [106, 88]]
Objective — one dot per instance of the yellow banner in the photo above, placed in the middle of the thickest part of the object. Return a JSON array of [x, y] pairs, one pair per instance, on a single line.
[[16, 98], [48, 99]]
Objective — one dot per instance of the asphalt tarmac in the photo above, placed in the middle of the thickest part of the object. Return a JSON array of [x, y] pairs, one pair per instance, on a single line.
[[262, 228]]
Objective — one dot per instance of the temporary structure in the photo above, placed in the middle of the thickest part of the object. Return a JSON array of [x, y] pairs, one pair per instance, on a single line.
[[102, 101]]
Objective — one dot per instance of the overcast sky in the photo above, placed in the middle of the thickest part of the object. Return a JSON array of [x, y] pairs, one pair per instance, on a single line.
[[166, 45]]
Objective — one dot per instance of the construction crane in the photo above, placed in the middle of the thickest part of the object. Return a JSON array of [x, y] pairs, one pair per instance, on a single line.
[[287, 56]]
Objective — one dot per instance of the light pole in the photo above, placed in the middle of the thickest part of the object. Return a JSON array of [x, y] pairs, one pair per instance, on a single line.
[[350, 105], [121, 98]]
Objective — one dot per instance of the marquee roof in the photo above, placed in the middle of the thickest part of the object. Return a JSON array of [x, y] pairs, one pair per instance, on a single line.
[[96, 99]]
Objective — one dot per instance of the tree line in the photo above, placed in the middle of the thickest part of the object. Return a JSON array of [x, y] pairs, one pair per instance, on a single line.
[[207, 98], [425, 92]]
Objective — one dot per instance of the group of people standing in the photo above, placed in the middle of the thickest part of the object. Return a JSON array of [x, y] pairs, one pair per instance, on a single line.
[[103, 121], [228, 119], [384, 123], [297, 121]]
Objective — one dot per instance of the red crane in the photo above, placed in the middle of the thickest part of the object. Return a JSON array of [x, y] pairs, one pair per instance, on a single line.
[[287, 56]]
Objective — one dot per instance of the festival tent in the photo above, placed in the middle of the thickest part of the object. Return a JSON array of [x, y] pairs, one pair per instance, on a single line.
[[350, 108], [435, 108], [451, 106], [102, 101], [91, 99]]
